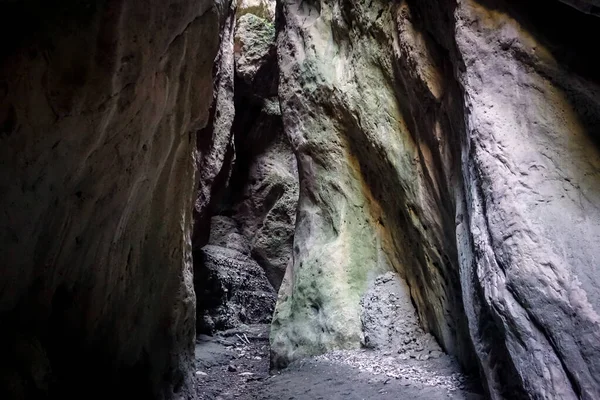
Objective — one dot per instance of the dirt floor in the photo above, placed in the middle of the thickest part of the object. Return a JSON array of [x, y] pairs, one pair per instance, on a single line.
[[235, 365]]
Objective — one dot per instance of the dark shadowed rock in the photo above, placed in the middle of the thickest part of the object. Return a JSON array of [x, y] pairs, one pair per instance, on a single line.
[[232, 288], [257, 188], [99, 106]]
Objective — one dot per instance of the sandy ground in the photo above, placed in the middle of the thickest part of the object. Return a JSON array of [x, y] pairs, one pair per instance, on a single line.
[[235, 365]]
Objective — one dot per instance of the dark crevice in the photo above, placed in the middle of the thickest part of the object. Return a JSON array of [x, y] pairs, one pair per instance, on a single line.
[[236, 263]]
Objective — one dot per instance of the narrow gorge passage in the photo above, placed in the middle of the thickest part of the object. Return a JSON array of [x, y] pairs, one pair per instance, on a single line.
[[248, 218], [299, 199], [234, 364]]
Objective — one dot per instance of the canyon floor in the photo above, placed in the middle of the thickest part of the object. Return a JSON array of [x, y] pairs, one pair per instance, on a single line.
[[235, 365]]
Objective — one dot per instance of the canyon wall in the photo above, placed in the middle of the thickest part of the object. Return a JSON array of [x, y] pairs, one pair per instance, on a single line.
[[455, 143], [448, 150], [100, 103], [246, 205]]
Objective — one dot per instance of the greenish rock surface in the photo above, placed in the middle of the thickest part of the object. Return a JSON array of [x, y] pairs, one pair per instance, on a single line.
[[254, 39], [261, 8], [455, 143]]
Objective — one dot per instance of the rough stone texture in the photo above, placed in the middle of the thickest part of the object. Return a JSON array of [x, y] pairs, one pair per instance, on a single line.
[[457, 144], [216, 151], [439, 373], [267, 175], [232, 288], [390, 322], [261, 8], [369, 201], [99, 106], [254, 40], [266, 208], [256, 187], [530, 225]]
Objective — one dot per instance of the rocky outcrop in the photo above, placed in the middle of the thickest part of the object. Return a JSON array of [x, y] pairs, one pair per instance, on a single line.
[[453, 143], [530, 222], [398, 170], [390, 322], [99, 106], [216, 151], [264, 193], [368, 202], [231, 287], [266, 205], [253, 179]]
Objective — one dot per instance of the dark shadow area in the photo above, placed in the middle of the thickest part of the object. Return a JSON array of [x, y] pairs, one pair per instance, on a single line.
[[49, 359], [25, 22], [240, 240], [569, 35]]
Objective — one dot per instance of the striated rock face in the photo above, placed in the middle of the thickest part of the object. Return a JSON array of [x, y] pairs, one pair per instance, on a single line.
[[530, 223], [250, 186], [99, 107], [233, 289], [400, 171], [374, 196], [455, 143]]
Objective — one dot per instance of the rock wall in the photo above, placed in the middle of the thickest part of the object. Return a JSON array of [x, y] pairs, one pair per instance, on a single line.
[[249, 186], [264, 188], [456, 143], [529, 228], [375, 195], [99, 106], [452, 145]]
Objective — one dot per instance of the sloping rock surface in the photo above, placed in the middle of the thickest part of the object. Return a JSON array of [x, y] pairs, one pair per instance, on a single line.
[[457, 144], [250, 179], [99, 107]]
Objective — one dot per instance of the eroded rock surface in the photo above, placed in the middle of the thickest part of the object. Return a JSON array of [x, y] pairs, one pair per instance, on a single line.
[[528, 232], [390, 323], [457, 144], [264, 195], [256, 188], [99, 106], [232, 288], [400, 171], [374, 196]]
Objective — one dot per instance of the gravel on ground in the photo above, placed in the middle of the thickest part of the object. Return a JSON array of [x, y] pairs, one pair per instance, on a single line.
[[235, 365]]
